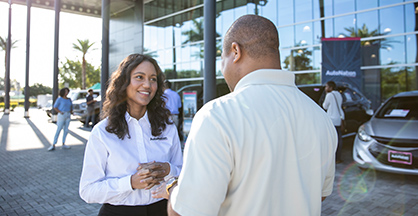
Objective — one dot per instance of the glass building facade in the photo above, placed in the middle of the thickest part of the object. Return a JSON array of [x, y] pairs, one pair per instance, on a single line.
[[173, 34]]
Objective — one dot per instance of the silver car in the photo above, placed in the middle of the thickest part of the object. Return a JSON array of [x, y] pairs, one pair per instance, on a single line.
[[389, 141]]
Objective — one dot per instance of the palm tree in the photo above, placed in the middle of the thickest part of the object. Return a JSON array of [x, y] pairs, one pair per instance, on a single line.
[[364, 32], [83, 46], [3, 46]]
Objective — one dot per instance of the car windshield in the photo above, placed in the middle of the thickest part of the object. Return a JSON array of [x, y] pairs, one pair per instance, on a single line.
[[400, 108]]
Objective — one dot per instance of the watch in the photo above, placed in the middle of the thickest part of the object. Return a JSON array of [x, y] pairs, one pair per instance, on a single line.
[[170, 183]]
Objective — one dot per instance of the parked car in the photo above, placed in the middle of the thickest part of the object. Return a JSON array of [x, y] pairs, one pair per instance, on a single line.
[[78, 98], [357, 108], [389, 141]]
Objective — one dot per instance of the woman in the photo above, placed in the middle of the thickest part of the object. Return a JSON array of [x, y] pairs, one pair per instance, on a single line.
[[64, 107], [135, 130]]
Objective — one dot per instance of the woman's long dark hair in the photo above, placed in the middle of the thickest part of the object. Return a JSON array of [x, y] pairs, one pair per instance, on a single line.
[[115, 104]]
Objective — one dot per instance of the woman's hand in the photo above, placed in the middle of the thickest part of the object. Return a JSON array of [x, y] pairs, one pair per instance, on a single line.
[[157, 169], [160, 191], [142, 179]]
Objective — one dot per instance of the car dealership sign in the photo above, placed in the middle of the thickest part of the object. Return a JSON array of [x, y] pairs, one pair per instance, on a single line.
[[341, 61]]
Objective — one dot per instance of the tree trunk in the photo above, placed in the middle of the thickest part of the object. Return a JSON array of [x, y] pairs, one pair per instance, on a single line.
[[83, 73]]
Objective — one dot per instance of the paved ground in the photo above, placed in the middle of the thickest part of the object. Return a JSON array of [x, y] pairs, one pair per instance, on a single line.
[[36, 182]]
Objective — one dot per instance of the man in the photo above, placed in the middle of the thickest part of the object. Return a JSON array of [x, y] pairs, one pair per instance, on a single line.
[[263, 149], [333, 105], [173, 102], [90, 101]]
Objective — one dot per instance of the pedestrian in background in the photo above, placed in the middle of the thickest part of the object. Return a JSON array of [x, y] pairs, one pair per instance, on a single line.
[[135, 129], [265, 148], [172, 102], [64, 107], [90, 101], [333, 105]]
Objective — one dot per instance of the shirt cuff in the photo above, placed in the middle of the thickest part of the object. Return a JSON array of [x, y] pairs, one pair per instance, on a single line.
[[125, 183], [173, 172]]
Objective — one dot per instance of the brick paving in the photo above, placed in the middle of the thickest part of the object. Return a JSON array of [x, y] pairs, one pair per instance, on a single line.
[[34, 181]]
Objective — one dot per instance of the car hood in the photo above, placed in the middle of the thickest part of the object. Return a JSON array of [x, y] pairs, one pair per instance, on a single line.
[[394, 128]]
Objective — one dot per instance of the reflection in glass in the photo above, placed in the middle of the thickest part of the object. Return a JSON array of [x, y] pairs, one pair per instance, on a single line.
[[411, 48], [343, 6], [369, 20], [342, 23], [299, 60], [303, 11], [396, 80], [304, 34], [411, 16], [394, 51], [363, 5], [269, 10], [285, 12], [286, 37], [391, 23]]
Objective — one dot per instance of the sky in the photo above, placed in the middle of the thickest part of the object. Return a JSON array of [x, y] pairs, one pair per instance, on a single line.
[[41, 58]]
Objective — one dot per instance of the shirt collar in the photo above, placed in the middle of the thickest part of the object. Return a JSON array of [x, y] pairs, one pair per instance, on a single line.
[[144, 118], [267, 76]]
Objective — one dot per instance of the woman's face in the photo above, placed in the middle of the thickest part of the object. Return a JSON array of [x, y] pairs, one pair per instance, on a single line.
[[143, 86]]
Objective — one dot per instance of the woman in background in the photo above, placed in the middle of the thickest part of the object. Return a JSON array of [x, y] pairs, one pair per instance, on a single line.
[[135, 146], [64, 107]]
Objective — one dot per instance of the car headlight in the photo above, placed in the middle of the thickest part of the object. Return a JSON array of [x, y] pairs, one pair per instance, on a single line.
[[362, 134]]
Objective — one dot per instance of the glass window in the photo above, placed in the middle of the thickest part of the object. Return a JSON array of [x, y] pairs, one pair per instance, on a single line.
[[391, 23], [218, 67], [363, 5], [269, 10], [303, 34], [317, 58], [240, 11], [153, 35], [227, 20], [169, 36], [196, 51], [411, 48], [410, 14], [389, 2], [343, 6], [285, 12], [367, 23], [285, 54], [147, 38], [298, 59], [286, 37], [343, 23], [392, 50], [197, 68], [400, 108], [393, 81], [303, 11], [307, 78], [328, 7]]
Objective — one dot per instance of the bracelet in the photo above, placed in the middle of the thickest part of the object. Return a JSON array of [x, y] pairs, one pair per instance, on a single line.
[[170, 184]]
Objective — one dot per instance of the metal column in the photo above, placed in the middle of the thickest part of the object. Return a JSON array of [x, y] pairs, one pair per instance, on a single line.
[[209, 83], [105, 48], [27, 90], [7, 73], [56, 45]]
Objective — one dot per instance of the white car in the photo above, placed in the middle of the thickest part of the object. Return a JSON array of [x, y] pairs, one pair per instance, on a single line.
[[389, 141]]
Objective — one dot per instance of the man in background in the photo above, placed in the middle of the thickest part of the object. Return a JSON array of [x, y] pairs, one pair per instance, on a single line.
[[90, 101], [172, 102], [264, 149], [333, 105]]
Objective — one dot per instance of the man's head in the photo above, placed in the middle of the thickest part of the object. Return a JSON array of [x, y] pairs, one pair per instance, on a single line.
[[330, 86], [251, 43], [90, 91], [167, 84]]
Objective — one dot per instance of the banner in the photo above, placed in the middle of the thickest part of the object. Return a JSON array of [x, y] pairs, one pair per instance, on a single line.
[[341, 61], [189, 110]]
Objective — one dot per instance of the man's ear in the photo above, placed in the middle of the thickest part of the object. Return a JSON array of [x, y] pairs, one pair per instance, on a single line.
[[236, 49]]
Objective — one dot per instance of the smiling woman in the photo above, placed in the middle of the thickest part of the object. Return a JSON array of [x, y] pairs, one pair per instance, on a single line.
[[135, 129]]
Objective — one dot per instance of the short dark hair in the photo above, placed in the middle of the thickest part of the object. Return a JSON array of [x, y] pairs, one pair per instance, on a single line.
[[332, 85], [63, 90], [256, 35], [90, 90]]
